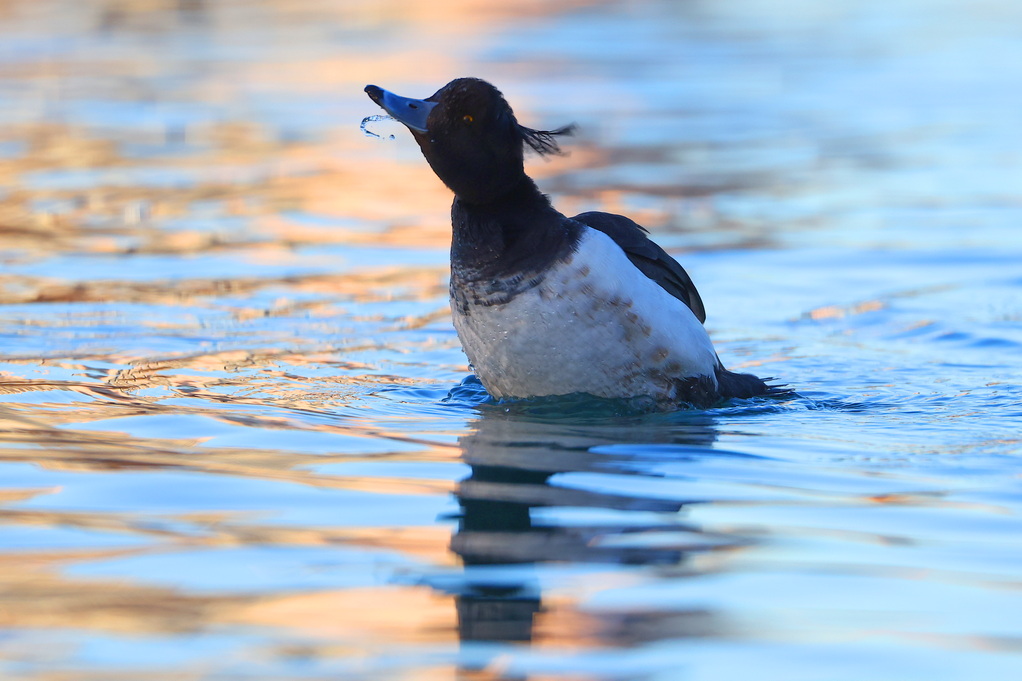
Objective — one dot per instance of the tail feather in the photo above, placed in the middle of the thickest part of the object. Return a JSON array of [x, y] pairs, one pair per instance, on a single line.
[[733, 385]]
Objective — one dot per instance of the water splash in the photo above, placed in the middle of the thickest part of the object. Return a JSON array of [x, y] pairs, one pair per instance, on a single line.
[[373, 119]]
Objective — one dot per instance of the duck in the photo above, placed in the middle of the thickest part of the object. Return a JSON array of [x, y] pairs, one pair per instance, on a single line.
[[547, 305]]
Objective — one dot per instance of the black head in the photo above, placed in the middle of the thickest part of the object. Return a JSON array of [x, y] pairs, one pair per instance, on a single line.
[[469, 136]]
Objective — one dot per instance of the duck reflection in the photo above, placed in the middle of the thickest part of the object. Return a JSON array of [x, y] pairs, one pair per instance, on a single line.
[[518, 464]]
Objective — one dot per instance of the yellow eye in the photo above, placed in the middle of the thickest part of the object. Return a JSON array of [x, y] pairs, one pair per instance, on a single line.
[[467, 118]]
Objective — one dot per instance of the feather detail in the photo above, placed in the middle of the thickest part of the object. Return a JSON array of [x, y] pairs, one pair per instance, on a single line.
[[542, 141]]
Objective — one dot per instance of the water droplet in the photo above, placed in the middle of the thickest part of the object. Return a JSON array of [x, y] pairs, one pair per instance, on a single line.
[[372, 119]]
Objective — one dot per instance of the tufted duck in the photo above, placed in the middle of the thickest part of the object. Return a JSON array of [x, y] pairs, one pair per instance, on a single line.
[[549, 305]]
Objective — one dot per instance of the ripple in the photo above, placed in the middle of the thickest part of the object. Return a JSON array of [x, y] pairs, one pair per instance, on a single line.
[[238, 437]]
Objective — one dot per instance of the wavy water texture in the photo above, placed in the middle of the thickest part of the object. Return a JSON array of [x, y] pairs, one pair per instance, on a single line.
[[239, 440]]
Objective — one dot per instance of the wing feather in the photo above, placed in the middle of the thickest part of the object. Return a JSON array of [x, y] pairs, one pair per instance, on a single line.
[[649, 258]]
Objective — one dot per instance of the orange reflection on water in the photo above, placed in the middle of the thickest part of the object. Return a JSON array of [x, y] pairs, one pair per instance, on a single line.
[[360, 616], [37, 596], [175, 246]]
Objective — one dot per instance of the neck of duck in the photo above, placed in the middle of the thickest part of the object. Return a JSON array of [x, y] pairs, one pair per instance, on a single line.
[[515, 234]]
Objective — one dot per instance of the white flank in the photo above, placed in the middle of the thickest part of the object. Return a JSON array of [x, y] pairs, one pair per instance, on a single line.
[[595, 324]]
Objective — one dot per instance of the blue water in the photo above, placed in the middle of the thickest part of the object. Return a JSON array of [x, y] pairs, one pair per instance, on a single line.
[[239, 438]]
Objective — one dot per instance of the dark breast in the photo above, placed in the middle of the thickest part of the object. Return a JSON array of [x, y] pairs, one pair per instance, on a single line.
[[501, 250], [467, 289]]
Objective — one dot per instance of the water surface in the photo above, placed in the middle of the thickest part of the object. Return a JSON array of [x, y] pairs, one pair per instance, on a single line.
[[239, 438]]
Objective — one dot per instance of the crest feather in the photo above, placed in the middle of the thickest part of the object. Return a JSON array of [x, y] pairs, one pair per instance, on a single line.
[[542, 141]]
